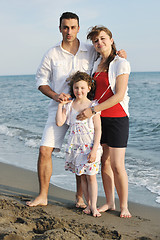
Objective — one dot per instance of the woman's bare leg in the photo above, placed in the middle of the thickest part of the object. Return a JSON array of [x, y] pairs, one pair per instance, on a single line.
[[117, 156], [108, 180]]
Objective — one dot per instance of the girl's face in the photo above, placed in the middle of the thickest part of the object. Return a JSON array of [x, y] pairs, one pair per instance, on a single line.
[[103, 43], [81, 89]]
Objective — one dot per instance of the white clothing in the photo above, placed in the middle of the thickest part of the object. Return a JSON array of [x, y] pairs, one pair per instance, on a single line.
[[80, 143], [117, 67], [56, 66], [53, 136]]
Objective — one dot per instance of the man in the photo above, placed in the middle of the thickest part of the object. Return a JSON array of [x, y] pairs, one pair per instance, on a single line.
[[62, 60]]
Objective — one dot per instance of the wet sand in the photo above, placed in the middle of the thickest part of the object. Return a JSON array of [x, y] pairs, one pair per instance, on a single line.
[[60, 219]]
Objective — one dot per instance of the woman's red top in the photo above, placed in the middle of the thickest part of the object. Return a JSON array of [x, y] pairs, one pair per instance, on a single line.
[[102, 84]]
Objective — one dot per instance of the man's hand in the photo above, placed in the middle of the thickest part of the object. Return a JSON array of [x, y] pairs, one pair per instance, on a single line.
[[62, 97], [122, 53], [46, 90]]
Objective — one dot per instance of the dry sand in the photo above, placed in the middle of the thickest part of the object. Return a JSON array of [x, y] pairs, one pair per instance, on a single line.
[[60, 219]]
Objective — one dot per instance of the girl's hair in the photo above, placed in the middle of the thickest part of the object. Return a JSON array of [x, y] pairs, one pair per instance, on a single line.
[[93, 33], [82, 76]]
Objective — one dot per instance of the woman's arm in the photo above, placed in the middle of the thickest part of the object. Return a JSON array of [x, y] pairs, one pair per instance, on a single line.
[[61, 115], [97, 137], [121, 87]]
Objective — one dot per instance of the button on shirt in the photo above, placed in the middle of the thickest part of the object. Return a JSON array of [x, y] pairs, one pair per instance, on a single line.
[[58, 64]]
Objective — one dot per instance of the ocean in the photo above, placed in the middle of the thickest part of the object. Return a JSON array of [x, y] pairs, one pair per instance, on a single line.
[[23, 114]]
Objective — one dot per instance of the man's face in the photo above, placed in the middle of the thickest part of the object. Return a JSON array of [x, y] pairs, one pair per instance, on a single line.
[[69, 29]]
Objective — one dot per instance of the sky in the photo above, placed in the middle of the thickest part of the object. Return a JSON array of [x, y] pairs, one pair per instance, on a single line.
[[29, 28]]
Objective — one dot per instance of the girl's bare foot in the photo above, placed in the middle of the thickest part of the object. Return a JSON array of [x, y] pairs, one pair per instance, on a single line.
[[125, 213], [96, 213], [87, 210], [38, 201], [80, 202], [106, 207]]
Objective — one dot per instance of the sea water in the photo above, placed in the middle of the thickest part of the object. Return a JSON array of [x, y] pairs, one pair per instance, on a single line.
[[23, 113]]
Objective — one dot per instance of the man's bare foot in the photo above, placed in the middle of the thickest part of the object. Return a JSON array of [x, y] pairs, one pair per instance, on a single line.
[[106, 207], [96, 213], [80, 202], [38, 201], [125, 213], [87, 210]]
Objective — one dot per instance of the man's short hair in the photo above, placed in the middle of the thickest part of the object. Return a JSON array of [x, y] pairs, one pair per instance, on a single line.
[[68, 15]]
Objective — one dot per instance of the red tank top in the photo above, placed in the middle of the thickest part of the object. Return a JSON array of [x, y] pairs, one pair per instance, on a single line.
[[102, 84]]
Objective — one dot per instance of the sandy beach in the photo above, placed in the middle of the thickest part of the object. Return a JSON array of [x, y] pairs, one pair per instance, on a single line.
[[60, 219]]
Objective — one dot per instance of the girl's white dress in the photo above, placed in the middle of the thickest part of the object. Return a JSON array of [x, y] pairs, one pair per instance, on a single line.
[[80, 142]]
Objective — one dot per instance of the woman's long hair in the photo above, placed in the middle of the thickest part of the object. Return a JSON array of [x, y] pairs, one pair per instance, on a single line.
[[93, 33]]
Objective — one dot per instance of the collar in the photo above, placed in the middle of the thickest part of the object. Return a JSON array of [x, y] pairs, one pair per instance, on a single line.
[[82, 46]]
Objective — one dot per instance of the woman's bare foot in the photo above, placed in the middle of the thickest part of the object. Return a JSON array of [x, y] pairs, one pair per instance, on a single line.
[[106, 207], [87, 210], [96, 213], [38, 201], [125, 213], [80, 202]]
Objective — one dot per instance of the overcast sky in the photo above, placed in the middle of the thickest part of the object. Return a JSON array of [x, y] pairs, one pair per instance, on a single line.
[[29, 28]]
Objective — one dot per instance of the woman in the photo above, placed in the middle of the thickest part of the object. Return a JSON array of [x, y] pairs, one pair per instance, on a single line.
[[111, 74]]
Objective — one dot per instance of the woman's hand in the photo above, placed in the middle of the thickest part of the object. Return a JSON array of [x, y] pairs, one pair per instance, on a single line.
[[87, 113]]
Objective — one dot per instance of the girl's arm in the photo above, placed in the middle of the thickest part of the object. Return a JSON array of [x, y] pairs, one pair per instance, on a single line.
[[61, 115], [121, 86], [97, 137]]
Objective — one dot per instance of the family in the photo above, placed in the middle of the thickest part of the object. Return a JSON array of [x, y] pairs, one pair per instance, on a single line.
[[88, 87]]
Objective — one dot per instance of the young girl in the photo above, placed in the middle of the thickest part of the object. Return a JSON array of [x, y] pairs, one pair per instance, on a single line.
[[83, 152]]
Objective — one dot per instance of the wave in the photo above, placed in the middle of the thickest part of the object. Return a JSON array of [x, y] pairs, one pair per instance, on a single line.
[[29, 138], [144, 173]]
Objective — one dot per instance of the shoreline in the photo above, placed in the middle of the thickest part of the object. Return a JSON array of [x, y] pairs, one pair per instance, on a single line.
[[60, 217], [12, 151]]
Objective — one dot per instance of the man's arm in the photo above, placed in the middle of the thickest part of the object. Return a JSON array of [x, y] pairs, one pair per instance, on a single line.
[[46, 90]]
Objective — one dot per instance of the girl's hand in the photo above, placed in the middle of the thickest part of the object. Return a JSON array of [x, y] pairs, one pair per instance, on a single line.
[[64, 102], [87, 113], [91, 156]]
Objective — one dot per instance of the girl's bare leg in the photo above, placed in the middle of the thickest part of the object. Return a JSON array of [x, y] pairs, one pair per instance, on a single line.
[[108, 180], [117, 156], [84, 184], [79, 195], [92, 192]]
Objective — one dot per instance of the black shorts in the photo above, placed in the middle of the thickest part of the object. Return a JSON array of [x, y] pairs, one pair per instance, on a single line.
[[115, 131]]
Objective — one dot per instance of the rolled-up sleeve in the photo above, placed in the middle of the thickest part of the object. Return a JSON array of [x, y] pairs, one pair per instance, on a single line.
[[44, 72]]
